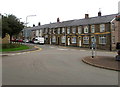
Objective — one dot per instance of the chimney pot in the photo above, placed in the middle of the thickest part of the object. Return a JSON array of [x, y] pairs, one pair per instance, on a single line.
[[58, 20], [99, 13]]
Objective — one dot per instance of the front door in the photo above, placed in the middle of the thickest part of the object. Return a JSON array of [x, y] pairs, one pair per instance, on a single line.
[[68, 41], [80, 42], [58, 41]]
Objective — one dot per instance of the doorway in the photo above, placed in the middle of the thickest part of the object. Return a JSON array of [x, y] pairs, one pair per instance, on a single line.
[[80, 42], [68, 41]]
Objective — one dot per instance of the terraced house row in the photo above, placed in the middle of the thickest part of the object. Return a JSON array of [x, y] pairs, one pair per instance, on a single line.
[[104, 31]]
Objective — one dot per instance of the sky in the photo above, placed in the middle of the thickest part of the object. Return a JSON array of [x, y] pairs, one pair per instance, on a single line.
[[47, 11]]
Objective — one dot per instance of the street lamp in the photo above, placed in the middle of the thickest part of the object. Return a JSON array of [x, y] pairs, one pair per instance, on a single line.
[[27, 18], [26, 24]]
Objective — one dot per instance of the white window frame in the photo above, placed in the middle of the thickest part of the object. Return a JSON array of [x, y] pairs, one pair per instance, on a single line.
[[113, 39], [102, 27], [74, 30], [63, 39], [102, 40], [92, 28], [74, 40], [63, 30], [79, 30], [68, 30], [86, 29], [86, 40], [46, 30], [113, 26], [58, 31], [50, 31], [54, 39]]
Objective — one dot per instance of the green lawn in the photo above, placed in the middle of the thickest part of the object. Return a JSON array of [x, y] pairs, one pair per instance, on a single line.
[[14, 47]]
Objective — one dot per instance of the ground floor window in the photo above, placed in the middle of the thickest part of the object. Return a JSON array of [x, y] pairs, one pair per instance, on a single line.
[[73, 39], [102, 40], [63, 39], [86, 40], [53, 39]]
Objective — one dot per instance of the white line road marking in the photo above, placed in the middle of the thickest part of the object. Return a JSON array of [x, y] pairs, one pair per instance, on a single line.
[[62, 49]]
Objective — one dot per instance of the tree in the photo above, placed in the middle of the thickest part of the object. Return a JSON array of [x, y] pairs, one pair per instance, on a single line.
[[11, 25]]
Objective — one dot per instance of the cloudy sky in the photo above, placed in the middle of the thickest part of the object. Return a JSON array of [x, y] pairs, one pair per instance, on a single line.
[[47, 11]]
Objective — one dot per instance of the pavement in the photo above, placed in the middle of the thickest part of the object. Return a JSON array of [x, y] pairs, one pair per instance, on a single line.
[[106, 62]]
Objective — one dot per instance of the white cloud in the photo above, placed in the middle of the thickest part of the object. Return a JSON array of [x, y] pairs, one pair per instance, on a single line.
[[48, 10]]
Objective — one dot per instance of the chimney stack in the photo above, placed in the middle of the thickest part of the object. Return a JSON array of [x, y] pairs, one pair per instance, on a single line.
[[39, 24], [99, 13], [86, 16], [58, 20]]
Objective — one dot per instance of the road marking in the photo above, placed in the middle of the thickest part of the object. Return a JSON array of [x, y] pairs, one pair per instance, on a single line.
[[82, 50], [52, 47], [62, 49]]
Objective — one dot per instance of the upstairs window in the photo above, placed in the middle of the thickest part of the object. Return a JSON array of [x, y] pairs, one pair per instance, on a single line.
[[73, 30], [58, 30], [102, 27], [63, 30], [49, 31], [113, 26], [68, 30], [86, 30], [46, 31], [92, 28], [79, 30]]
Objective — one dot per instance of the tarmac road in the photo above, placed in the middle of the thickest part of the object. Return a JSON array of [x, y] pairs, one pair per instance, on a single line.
[[55, 66]]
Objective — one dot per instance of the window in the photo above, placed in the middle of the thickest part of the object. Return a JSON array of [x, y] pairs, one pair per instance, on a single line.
[[113, 26], [63, 30], [53, 39], [73, 39], [68, 30], [113, 39], [46, 31], [102, 40], [86, 40], [63, 39], [86, 29], [58, 30], [74, 30], [102, 27], [49, 31], [79, 30], [93, 29], [54, 31]]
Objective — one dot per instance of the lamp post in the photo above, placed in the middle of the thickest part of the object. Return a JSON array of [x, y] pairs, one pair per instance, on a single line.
[[27, 23], [27, 18]]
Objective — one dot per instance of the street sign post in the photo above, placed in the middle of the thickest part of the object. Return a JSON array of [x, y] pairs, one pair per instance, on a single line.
[[93, 46]]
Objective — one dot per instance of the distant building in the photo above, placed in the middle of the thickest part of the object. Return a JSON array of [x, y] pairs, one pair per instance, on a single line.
[[104, 31]]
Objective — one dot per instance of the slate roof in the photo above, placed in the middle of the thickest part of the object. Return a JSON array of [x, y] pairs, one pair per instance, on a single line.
[[88, 21]]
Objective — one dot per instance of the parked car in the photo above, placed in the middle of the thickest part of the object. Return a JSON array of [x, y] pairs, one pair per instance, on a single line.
[[20, 40], [26, 41], [39, 40]]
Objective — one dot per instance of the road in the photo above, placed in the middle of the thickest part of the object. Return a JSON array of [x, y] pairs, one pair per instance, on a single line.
[[55, 66]]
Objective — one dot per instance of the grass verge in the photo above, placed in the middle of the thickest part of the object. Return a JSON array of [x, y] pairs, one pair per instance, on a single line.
[[13, 47]]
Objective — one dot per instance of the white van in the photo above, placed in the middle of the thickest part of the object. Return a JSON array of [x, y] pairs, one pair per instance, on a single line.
[[39, 40]]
